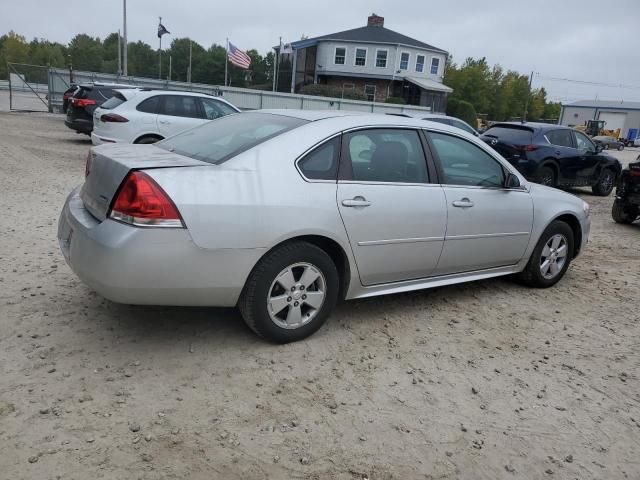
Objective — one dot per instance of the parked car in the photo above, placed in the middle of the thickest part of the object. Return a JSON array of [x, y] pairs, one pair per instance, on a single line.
[[608, 142], [453, 121], [147, 116], [86, 98], [66, 96], [626, 207], [554, 155], [284, 212]]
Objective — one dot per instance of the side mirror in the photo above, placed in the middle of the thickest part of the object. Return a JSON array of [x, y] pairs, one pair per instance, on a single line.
[[511, 181]]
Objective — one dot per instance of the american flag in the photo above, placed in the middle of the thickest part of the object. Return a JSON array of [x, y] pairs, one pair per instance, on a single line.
[[238, 57]]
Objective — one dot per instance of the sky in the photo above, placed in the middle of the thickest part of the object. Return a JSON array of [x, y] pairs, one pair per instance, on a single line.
[[583, 41]]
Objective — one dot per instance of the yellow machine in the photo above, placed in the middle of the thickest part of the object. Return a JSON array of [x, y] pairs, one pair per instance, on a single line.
[[593, 128]]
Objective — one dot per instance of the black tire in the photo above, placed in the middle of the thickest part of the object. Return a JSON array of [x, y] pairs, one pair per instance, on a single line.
[[546, 176], [148, 139], [620, 147], [531, 275], [624, 215], [606, 146], [605, 184], [253, 300]]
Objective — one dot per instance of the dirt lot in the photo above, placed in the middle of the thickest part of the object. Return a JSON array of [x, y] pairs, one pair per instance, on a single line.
[[487, 380]]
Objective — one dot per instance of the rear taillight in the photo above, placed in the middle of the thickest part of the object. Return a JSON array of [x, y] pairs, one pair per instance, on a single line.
[[113, 117], [140, 201], [634, 173], [526, 148], [82, 102]]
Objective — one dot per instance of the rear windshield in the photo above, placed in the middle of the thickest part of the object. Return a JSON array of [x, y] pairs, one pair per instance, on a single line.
[[219, 140], [113, 102], [514, 135]]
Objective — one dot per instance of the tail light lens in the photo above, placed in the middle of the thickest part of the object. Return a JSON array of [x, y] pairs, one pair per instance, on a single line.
[[526, 148], [82, 102], [140, 201], [113, 117]]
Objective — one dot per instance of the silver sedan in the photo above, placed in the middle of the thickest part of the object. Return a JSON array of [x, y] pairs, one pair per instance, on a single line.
[[283, 213]]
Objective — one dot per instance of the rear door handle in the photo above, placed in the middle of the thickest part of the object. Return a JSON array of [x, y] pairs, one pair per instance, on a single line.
[[164, 122], [356, 202], [463, 203]]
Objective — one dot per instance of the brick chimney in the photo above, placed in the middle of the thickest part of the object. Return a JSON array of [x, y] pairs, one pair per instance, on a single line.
[[375, 21]]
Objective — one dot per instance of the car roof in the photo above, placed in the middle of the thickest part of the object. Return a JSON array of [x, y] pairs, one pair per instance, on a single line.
[[532, 125]]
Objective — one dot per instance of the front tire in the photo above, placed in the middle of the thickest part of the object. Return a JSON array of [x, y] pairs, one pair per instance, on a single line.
[[605, 184], [551, 257], [290, 293], [620, 148], [546, 176]]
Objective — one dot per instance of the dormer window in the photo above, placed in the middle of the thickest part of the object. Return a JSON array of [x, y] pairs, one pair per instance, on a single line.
[[340, 56]]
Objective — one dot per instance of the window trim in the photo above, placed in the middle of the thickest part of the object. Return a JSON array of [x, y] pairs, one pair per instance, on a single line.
[[431, 66], [386, 60], [355, 56], [335, 54], [402, 52], [424, 61]]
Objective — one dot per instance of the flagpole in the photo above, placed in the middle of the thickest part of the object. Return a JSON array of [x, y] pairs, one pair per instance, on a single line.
[[119, 55], [276, 66], [125, 63], [226, 63], [160, 54], [189, 72]]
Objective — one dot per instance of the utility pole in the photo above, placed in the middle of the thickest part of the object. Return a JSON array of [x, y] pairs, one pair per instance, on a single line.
[[124, 38], [169, 74], [119, 55], [526, 103], [189, 71]]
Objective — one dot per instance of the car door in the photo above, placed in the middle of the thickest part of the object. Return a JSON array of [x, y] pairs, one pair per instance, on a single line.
[[178, 113], [488, 225], [566, 155], [394, 215], [588, 159]]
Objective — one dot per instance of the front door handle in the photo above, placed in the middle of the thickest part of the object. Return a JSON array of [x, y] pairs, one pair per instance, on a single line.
[[463, 203], [356, 202], [165, 122]]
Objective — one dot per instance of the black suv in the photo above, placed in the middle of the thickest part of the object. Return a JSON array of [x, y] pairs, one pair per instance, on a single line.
[[85, 100], [554, 155], [626, 208]]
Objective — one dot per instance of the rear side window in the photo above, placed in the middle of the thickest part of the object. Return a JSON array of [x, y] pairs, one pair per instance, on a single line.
[[219, 140], [150, 105], [514, 135], [386, 155], [180, 106], [560, 138], [113, 102], [322, 163]]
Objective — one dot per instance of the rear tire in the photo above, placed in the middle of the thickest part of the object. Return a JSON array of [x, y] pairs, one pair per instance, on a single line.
[[147, 140], [546, 176], [605, 184], [606, 146], [620, 148], [280, 303], [622, 215], [539, 274]]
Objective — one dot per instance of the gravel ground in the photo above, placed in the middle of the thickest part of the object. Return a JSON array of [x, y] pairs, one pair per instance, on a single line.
[[485, 380]]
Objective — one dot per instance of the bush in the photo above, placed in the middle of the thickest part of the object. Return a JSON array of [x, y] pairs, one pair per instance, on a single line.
[[331, 91], [396, 100], [462, 110]]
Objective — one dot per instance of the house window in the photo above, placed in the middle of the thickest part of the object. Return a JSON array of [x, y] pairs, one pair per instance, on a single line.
[[381, 58], [404, 61], [420, 63], [340, 56], [435, 64], [370, 92], [361, 57]]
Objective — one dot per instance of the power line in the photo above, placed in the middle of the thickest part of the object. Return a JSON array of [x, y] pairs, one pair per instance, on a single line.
[[588, 82]]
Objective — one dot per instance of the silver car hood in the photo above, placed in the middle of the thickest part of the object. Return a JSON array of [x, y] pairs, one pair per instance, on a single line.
[[110, 164]]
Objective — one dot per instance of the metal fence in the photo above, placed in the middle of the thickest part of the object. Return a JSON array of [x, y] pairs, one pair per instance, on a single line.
[[28, 87], [244, 98]]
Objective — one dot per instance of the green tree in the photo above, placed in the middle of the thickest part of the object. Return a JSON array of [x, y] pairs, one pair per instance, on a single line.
[[43, 52], [86, 53], [110, 54], [142, 60]]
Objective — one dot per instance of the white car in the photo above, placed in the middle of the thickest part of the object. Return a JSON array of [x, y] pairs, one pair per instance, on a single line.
[[147, 116]]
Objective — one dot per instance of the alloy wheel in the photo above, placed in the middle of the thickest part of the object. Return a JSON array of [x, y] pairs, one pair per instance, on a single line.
[[606, 182], [296, 295], [554, 256]]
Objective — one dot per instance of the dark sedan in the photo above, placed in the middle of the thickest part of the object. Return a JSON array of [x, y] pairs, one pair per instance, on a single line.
[[554, 155]]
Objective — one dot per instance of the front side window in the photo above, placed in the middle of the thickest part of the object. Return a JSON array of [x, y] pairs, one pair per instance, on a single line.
[[583, 143], [386, 155], [341, 54], [322, 163], [219, 140], [420, 63], [361, 57], [560, 138], [404, 61], [381, 58], [435, 65], [370, 92], [180, 106], [214, 109], [464, 163]]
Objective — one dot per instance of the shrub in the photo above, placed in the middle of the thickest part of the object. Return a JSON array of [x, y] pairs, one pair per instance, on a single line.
[[331, 91], [462, 110], [396, 100]]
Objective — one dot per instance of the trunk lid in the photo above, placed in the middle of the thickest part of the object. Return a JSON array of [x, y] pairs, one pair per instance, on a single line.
[[108, 165], [508, 140]]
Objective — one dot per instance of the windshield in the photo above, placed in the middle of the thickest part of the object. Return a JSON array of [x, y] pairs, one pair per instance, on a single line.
[[219, 140]]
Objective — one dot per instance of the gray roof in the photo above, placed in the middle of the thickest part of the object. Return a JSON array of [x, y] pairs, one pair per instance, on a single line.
[[370, 34], [604, 104]]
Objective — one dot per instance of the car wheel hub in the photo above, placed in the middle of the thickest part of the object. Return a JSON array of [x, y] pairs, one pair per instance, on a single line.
[[554, 256], [296, 295]]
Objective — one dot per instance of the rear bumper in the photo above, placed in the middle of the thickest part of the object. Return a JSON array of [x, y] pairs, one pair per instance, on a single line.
[[149, 266], [79, 125]]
